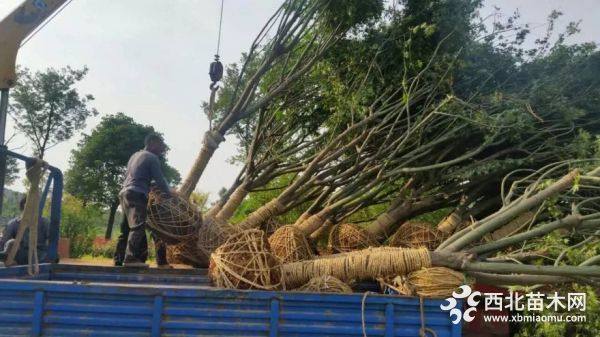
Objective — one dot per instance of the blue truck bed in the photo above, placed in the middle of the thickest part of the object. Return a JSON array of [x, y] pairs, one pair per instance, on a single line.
[[69, 300]]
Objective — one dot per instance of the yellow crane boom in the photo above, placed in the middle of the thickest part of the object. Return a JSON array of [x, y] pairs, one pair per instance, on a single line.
[[15, 28]]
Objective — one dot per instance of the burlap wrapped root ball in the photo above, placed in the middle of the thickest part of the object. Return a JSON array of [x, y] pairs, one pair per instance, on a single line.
[[416, 234], [436, 282], [187, 252], [245, 261], [289, 244], [325, 284], [172, 218], [349, 237]]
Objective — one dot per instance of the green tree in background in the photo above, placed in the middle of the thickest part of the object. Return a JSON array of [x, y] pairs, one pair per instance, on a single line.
[[98, 163], [47, 108], [12, 171]]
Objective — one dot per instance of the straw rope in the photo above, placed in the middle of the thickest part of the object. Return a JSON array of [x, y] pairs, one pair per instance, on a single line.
[[436, 282], [212, 234], [232, 204], [29, 219], [261, 215], [172, 218], [244, 261], [212, 139], [271, 225], [414, 234], [289, 244], [187, 252], [325, 284], [366, 264], [349, 237], [449, 223]]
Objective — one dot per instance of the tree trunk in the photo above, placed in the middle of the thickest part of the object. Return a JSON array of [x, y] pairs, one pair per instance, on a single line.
[[496, 220], [234, 201], [261, 215], [323, 230], [212, 140], [388, 222], [111, 219], [314, 222], [359, 265]]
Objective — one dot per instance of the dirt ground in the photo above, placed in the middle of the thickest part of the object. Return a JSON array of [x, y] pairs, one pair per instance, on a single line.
[[102, 261]]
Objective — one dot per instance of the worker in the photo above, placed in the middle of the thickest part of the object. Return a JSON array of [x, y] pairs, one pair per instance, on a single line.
[[143, 168], [10, 234]]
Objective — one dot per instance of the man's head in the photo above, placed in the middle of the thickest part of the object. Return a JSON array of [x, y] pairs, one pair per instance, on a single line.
[[155, 144], [22, 203]]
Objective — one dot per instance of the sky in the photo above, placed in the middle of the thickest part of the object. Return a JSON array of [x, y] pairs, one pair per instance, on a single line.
[[149, 59]]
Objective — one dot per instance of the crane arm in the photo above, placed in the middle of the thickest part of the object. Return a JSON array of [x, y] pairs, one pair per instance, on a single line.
[[15, 28]]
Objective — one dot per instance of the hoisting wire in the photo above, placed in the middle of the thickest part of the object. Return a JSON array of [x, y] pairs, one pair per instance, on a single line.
[[220, 25], [215, 72]]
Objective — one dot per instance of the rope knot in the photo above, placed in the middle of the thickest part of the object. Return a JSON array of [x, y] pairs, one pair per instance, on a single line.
[[212, 139]]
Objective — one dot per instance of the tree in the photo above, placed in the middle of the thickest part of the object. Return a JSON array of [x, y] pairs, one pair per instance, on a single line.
[[12, 170], [98, 163], [47, 108], [303, 28]]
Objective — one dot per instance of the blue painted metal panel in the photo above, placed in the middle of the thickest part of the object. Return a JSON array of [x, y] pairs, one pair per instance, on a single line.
[[66, 306]]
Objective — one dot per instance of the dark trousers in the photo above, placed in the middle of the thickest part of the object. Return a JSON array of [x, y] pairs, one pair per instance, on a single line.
[[132, 245]]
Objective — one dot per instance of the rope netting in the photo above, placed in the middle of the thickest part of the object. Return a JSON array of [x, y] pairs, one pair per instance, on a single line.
[[212, 234], [245, 261], [289, 244], [349, 237], [187, 252], [325, 284], [172, 218], [416, 234]]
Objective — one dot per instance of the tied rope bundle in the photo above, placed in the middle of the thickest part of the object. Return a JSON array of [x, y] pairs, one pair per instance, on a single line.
[[172, 218], [365, 264], [30, 218], [434, 282]]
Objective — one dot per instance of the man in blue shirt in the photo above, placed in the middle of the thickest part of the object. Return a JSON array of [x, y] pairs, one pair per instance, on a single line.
[[143, 169], [10, 233]]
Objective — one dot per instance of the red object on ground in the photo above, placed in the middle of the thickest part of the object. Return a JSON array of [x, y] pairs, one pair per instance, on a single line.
[[480, 328], [100, 241], [64, 247]]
